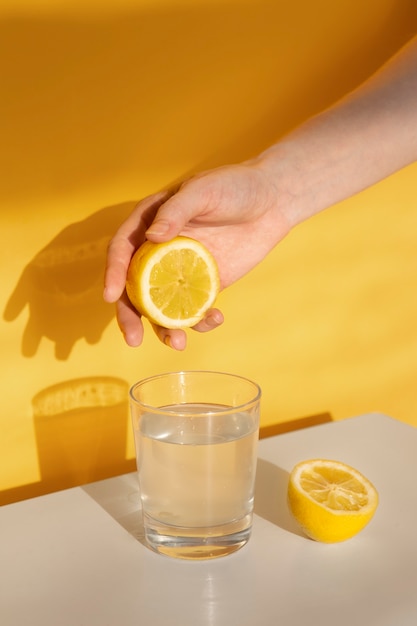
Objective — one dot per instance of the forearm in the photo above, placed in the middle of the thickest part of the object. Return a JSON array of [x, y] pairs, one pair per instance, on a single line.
[[362, 139]]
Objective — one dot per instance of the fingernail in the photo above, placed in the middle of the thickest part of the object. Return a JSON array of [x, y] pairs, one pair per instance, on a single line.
[[210, 321], [158, 228], [132, 340], [213, 321], [107, 295]]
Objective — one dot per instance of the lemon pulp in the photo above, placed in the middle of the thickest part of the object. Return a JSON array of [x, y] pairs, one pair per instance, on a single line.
[[173, 283]]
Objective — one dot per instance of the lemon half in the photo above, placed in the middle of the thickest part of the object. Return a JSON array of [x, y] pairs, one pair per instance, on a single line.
[[330, 500], [173, 283]]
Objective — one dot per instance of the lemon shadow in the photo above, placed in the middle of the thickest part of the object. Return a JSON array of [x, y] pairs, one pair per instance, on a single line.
[[271, 496], [62, 286]]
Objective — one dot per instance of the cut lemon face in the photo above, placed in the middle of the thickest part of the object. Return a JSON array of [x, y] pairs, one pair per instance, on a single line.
[[330, 500], [173, 283]]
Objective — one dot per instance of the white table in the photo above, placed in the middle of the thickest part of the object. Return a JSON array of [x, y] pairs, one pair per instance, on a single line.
[[75, 558]]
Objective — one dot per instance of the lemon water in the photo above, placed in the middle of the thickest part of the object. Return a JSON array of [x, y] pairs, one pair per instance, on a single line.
[[196, 475]]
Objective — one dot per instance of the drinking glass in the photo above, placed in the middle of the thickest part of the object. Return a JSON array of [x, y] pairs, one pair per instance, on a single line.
[[196, 435]]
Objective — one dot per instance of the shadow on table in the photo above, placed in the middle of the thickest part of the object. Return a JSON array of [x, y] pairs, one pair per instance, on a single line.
[[119, 496], [271, 496], [272, 481]]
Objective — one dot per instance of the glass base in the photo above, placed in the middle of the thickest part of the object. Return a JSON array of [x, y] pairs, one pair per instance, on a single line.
[[197, 543]]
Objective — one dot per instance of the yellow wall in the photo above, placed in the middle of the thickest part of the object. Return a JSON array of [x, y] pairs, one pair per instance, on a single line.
[[105, 102]]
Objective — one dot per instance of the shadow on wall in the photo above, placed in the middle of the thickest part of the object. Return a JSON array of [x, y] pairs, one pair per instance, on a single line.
[[114, 102], [63, 285], [100, 107], [87, 98], [88, 95], [81, 429]]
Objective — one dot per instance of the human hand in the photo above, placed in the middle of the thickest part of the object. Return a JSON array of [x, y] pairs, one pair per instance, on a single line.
[[233, 210]]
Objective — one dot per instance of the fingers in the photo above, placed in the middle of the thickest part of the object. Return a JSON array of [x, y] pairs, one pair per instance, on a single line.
[[131, 326], [173, 338], [177, 339], [159, 217], [176, 212], [127, 239], [119, 253], [170, 214], [130, 322], [212, 320]]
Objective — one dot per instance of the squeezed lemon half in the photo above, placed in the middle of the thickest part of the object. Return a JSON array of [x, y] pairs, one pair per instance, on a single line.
[[330, 500], [173, 283]]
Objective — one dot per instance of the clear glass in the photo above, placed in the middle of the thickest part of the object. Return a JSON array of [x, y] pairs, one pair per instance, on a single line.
[[196, 436]]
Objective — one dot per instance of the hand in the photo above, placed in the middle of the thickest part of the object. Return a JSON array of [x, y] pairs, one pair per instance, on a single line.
[[233, 210], [240, 212]]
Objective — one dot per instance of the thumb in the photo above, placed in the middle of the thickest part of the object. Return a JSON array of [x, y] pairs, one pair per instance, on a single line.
[[174, 214]]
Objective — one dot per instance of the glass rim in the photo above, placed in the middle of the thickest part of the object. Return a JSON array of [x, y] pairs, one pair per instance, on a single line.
[[230, 409]]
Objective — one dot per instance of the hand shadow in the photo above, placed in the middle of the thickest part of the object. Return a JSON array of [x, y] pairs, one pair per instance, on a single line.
[[63, 285], [271, 496]]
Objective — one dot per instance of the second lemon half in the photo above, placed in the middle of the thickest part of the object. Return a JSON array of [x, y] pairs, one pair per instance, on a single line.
[[173, 283], [330, 500]]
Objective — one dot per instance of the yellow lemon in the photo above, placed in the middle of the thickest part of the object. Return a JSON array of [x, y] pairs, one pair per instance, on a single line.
[[330, 500], [173, 283]]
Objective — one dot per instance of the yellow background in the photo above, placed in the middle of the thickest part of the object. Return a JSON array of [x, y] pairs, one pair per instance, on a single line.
[[104, 102]]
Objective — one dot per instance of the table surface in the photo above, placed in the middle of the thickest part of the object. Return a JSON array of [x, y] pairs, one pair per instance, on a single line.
[[76, 557]]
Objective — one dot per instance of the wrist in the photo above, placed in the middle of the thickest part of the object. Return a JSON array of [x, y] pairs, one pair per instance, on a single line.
[[288, 171]]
